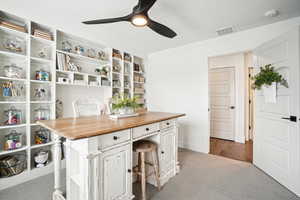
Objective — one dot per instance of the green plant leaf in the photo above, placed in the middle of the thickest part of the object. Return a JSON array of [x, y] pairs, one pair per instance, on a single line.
[[267, 76]]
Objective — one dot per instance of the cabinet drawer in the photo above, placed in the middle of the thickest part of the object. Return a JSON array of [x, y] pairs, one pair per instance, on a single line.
[[144, 130], [166, 124], [114, 138]]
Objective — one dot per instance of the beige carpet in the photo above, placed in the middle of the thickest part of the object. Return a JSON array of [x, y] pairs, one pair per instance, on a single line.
[[203, 177]]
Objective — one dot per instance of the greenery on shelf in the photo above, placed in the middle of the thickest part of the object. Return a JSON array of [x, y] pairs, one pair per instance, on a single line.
[[267, 76], [120, 102], [103, 71]]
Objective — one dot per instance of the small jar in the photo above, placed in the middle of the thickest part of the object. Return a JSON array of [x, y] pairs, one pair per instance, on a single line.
[[42, 136], [13, 140], [13, 116], [42, 114], [12, 71], [41, 75]]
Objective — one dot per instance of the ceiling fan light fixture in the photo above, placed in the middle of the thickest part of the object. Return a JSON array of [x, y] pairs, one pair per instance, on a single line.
[[139, 20]]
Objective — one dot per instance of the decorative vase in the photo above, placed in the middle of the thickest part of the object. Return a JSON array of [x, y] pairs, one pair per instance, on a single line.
[[270, 92]]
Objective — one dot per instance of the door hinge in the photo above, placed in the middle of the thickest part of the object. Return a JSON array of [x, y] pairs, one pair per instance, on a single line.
[[250, 101], [249, 127], [249, 75]]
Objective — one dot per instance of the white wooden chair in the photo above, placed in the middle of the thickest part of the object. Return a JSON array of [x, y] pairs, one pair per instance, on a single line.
[[84, 107]]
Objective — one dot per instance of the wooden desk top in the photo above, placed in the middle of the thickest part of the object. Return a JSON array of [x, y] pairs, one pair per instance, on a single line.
[[84, 127]]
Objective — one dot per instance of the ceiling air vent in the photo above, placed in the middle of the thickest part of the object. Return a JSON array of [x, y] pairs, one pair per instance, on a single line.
[[225, 31]]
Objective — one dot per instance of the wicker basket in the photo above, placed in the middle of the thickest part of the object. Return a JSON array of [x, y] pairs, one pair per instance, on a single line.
[[12, 165]]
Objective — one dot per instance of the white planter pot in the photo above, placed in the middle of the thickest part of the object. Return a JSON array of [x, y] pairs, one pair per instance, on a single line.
[[126, 111], [270, 92]]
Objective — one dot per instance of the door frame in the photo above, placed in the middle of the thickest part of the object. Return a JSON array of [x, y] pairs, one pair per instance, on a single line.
[[241, 82]]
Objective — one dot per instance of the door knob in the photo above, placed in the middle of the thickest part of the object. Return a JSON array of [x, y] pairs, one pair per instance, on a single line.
[[232, 107], [291, 118], [115, 137]]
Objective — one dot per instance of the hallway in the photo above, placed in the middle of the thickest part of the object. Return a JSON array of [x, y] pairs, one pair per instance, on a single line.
[[231, 149]]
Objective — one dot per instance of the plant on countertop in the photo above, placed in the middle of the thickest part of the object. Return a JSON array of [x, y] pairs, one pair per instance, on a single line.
[[124, 104], [267, 76]]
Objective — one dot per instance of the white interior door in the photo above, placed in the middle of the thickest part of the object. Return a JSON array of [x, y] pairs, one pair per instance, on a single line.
[[276, 140], [222, 102]]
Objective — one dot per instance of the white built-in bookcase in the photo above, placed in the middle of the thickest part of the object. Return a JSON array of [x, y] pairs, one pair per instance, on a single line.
[[31, 62]]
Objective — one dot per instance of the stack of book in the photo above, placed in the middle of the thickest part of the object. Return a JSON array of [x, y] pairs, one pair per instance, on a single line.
[[62, 62], [42, 34], [13, 26]]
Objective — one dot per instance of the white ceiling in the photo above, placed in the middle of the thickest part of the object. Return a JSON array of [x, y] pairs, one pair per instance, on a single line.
[[193, 20]]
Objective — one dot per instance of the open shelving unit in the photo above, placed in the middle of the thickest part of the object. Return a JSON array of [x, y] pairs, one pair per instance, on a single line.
[[68, 61], [139, 81], [35, 54]]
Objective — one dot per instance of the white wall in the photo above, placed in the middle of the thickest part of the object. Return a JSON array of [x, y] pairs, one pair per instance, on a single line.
[[238, 62], [67, 94], [177, 79]]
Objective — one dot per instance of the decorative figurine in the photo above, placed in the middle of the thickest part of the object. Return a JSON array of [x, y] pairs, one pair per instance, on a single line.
[[79, 50], [66, 46], [102, 55], [13, 44], [40, 93], [91, 53]]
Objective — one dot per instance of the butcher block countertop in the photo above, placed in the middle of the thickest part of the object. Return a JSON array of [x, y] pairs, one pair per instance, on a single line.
[[84, 127]]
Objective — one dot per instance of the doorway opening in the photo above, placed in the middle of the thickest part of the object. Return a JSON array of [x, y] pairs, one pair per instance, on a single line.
[[231, 100]]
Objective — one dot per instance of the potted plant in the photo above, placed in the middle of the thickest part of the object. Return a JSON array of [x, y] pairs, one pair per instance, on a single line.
[[124, 105], [103, 71], [267, 80]]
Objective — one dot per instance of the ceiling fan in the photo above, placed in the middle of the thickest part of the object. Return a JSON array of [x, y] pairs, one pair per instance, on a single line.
[[139, 17]]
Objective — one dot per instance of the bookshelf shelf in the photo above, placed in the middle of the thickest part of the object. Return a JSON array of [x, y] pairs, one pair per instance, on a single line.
[[47, 42], [12, 54], [41, 82], [83, 57], [12, 102], [14, 32], [12, 79], [13, 151], [42, 60], [13, 126], [35, 146]]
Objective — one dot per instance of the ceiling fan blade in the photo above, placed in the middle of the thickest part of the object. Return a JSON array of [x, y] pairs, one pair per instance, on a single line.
[[109, 20], [161, 29], [144, 6]]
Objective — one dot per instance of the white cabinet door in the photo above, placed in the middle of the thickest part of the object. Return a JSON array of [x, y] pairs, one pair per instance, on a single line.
[[167, 151], [115, 174]]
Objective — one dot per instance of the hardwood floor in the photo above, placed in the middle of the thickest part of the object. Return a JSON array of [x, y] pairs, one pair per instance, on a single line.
[[233, 150]]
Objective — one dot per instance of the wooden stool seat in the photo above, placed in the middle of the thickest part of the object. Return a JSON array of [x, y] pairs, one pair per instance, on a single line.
[[142, 147]]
